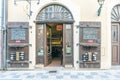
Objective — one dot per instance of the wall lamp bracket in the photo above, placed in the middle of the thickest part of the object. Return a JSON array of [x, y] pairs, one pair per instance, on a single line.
[[29, 2], [99, 10], [101, 2]]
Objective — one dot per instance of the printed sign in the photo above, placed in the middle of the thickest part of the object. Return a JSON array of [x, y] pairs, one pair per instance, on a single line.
[[59, 27]]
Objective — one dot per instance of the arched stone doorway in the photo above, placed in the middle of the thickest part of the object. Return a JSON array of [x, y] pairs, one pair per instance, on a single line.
[[115, 34], [54, 36]]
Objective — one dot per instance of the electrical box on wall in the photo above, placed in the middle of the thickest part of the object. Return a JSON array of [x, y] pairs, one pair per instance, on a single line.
[[90, 41]]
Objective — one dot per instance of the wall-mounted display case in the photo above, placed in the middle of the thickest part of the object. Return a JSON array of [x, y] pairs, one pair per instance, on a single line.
[[90, 42], [18, 45]]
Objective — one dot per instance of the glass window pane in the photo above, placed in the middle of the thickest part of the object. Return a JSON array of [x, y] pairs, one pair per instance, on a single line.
[[114, 33], [90, 33], [115, 14], [55, 12], [18, 34]]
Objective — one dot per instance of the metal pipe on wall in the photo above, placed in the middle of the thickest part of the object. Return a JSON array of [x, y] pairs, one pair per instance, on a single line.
[[0, 32], [4, 34]]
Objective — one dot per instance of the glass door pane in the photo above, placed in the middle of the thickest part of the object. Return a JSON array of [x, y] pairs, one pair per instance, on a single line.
[[114, 33], [68, 40]]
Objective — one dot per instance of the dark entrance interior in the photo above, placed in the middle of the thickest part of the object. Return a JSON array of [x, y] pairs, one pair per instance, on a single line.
[[54, 34]]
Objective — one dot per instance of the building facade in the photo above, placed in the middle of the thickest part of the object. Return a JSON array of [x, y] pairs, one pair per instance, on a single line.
[[66, 33]]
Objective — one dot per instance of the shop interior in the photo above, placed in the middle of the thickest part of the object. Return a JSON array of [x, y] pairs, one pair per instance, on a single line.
[[54, 32]]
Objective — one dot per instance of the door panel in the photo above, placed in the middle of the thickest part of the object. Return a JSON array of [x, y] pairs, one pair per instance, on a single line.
[[115, 55], [115, 44], [39, 43], [67, 44], [48, 56]]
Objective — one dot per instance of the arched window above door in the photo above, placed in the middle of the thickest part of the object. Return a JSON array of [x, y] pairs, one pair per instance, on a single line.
[[115, 14], [54, 12]]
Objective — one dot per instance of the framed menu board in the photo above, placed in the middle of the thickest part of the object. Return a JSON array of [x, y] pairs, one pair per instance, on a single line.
[[89, 44], [18, 34], [90, 33]]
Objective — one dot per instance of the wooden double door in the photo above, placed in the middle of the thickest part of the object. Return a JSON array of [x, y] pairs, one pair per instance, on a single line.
[[54, 38], [115, 35]]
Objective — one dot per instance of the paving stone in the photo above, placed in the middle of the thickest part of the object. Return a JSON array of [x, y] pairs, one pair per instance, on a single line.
[[61, 75]]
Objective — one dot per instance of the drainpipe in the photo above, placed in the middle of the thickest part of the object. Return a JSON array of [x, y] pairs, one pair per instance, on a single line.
[[0, 33], [4, 34]]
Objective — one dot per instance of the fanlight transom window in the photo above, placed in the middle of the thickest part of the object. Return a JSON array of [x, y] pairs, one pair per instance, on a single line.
[[54, 12], [115, 14]]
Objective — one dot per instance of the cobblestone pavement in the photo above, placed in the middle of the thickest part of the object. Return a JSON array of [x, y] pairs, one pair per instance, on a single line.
[[61, 75]]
